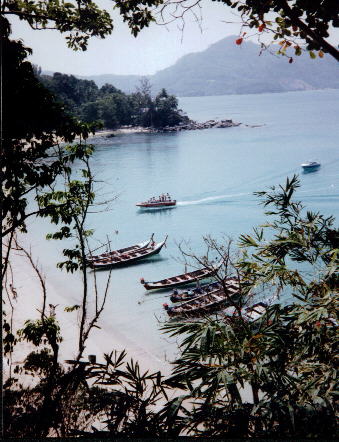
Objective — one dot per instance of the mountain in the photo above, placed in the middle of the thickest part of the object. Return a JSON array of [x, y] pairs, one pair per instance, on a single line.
[[225, 68]]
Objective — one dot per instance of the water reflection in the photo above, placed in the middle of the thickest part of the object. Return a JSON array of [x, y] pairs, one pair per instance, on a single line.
[[160, 211], [311, 170]]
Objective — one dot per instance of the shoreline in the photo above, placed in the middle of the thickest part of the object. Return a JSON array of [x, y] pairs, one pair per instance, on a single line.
[[191, 125], [27, 305], [104, 135]]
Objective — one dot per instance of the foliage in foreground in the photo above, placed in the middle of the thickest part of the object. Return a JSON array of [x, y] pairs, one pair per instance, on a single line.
[[32, 125], [291, 22], [285, 359]]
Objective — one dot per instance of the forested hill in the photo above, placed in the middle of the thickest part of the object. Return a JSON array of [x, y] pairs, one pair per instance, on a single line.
[[225, 68], [112, 107]]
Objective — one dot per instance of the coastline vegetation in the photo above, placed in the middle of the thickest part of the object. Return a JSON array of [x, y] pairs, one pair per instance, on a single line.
[[112, 108]]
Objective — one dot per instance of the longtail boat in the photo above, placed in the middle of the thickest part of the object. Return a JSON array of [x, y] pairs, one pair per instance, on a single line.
[[185, 295], [157, 202], [113, 253], [205, 303], [248, 313], [128, 257], [185, 278]]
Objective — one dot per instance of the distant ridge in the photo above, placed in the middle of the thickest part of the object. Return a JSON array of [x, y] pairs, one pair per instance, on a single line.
[[225, 68]]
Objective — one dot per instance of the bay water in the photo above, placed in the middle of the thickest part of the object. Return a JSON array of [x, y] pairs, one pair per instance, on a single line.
[[212, 173]]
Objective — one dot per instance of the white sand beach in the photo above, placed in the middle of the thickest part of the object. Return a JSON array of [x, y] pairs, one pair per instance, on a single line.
[[27, 305]]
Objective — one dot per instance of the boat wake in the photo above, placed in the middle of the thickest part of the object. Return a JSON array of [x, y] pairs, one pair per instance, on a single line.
[[210, 199]]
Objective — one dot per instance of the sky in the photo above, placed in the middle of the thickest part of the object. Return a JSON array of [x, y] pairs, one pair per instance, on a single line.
[[155, 48]]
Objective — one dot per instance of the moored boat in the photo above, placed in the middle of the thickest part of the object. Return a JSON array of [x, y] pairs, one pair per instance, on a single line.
[[128, 257], [185, 278], [310, 165], [118, 252], [163, 200], [251, 313], [184, 295], [202, 304]]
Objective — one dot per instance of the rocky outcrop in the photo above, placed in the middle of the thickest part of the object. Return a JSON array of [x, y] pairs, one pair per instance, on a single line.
[[103, 137], [193, 125]]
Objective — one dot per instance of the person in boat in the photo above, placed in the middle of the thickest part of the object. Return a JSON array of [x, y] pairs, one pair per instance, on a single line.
[[167, 307]]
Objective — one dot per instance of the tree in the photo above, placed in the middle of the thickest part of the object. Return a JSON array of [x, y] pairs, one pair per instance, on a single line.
[[107, 89], [90, 112], [41, 409], [33, 122], [81, 19], [108, 112], [287, 355], [166, 111], [307, 21], [70, 90], [291, 21]]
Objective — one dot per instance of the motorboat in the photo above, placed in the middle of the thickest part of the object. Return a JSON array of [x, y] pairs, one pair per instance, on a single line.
[[161, 201], [310, 165]]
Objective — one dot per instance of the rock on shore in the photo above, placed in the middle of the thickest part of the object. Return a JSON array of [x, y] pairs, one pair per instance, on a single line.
[[103, 136], [193, 125]]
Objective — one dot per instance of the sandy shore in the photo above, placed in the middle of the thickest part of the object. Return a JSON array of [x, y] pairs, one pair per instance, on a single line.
[[124, 130], [27, 304]]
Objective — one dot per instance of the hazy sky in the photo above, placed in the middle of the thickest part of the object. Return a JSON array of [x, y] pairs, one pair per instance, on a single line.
[[155, 48]]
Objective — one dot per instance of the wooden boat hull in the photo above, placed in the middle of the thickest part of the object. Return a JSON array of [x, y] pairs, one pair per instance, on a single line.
[[120, 261], [215, 300], [203, 289], [118, 252], [199, 310], [175, 281]]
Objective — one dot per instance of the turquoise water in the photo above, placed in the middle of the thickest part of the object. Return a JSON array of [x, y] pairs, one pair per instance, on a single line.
[[212, 173]]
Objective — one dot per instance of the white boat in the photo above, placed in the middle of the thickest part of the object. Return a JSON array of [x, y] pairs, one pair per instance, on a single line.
[[310, 165], [159, 202]]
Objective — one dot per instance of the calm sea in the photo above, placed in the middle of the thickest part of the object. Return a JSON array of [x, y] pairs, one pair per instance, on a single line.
[[213, 174]]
